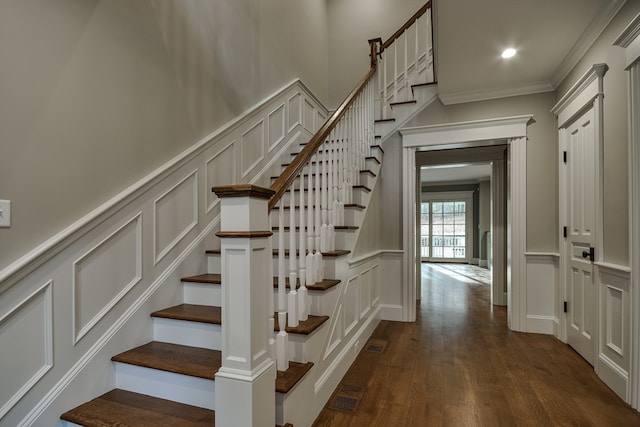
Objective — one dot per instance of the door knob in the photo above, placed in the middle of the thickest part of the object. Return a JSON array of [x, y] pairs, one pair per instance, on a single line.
[[591, 254]]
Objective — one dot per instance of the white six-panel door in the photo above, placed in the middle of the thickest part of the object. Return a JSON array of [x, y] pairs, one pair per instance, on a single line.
[[581, 222]]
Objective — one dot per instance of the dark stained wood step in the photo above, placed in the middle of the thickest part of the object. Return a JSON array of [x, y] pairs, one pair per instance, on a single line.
[[284, 165], [192, 313], [213, 279], [125, 408], [306, 176], [179, 359], [413, 101], [329, 254], [285, 380], [346, 206], [424, 84], [305, 327], [384, 120], [335, 227], [323, 285]]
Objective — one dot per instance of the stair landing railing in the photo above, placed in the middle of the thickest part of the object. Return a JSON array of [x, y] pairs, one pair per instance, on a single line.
[[311, 193], [406, 59]]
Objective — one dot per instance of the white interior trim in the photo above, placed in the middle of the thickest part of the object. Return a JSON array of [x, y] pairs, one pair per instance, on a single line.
[[630, 40], [468, 134]]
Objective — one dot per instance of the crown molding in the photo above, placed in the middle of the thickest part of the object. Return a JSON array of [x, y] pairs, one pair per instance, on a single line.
[[629, 39], [586, 40], [495, 93]]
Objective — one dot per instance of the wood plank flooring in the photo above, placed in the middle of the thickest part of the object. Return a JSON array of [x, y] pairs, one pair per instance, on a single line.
[[459, 365]]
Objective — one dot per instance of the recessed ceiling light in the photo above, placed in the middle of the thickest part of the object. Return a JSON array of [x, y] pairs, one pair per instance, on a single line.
[[509, 53]]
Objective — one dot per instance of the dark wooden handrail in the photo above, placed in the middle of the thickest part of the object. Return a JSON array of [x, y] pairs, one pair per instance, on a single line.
[[287, 177], [407, 24]]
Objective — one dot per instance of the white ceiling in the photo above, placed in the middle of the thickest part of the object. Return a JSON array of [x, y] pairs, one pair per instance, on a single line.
[[550, 36], [455, 173]]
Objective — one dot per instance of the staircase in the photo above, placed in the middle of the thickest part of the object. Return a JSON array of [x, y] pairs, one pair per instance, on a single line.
[[171, 380]]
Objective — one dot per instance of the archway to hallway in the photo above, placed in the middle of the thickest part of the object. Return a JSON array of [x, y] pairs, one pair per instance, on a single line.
[[510, 132]]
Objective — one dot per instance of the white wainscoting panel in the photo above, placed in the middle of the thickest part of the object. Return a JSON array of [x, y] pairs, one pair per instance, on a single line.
[[221, 167], [295, 111], [320, 119], [390, 292], [365, 293], [25, 357], [375, 292], [351, 312], [309, 114], [107, 271], [541, 285], [175, 214], [614, 350], [105, 274], [252, 148], [277, 126]]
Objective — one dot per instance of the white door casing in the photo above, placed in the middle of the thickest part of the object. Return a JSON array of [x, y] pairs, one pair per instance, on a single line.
[[478, 133], [580, 241], [579, 115]]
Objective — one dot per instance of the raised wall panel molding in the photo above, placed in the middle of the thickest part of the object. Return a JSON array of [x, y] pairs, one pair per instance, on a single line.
[[277, 124], [351, 312], [31, 353], [295, 111], [175, 214], [365, 293], [105, 274], [309, 116], [252, 148], [220, 168]]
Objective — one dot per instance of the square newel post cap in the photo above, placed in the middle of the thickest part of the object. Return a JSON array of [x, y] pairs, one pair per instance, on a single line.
[[243, 190], [243, 208]]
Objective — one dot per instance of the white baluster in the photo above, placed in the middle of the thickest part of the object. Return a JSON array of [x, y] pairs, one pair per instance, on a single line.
[[318, 264], [331, 234], [302, 292], [282, 340], [406, 63], [324, 237], [293, 269], [311, 274]]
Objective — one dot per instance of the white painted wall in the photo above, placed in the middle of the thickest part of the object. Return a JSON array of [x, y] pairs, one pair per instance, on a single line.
[[96, 94]]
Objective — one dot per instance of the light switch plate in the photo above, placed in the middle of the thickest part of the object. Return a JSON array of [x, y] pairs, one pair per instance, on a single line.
[[5, 213]]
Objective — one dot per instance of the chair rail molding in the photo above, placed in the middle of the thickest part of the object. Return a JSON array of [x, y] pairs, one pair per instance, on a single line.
[[511, 131]]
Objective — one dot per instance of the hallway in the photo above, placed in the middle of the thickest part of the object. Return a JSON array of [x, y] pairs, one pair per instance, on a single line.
[[459, 365]]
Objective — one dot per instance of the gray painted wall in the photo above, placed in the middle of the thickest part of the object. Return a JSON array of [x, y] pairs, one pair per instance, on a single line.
[[96, 94]]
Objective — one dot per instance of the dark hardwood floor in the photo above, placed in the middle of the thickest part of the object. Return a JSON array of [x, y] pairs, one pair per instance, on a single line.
[[459, 365]]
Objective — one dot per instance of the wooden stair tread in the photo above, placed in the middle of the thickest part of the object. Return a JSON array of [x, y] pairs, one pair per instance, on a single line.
[[413, 101], [179, 359], [285, 380], [305, 327], [335, 227], [284, 165], [125, 408], [322, 285], [384, 120], [213, 279], [191, 313], [346, 206], [329, 254]]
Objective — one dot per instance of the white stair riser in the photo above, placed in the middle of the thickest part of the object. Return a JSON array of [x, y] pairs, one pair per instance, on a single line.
[[422, 94], [166, 385], [344, 238], [402, 111], [194, 334], [202, 293], [306, 348]]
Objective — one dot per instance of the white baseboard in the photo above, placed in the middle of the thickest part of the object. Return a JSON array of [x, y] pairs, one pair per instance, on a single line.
[[391, 312], [613, 376], [541, 324]]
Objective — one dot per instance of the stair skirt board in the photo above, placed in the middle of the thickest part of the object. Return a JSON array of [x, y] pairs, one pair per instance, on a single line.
[[166, 385]]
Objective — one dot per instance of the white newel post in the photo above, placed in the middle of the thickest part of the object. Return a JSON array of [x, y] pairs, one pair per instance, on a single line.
[[245, 383]]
